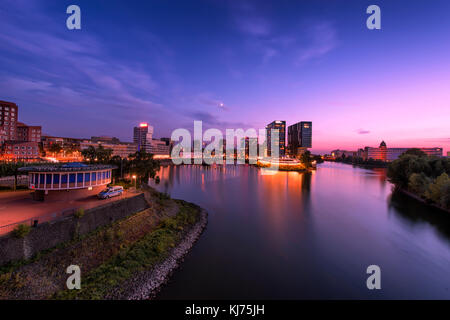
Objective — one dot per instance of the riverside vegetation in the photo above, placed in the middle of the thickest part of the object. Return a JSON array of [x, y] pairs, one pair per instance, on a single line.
[[423, 176], [108, 257]]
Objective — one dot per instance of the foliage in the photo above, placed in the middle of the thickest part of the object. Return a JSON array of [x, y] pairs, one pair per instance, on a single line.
[[418, 183], [437, 189], [130, 260], [126, 184], [415, 152], [79, 213], [143, 165], [425, 176], [21, 231], [55, 148], [305, 159], [97, 155], [361, 162]]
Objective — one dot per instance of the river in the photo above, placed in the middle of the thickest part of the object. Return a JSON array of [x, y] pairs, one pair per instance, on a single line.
[[307, 236]]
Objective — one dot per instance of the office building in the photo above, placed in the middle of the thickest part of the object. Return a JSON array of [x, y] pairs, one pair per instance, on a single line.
[[142, 136], [299, 137], [28, 133], [281, 141], [384, 153], [143, 139], [20, 151], [8, 121]]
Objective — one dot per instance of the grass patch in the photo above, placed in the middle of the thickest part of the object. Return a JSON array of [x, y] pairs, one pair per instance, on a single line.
[[139, 256], [21, 231]]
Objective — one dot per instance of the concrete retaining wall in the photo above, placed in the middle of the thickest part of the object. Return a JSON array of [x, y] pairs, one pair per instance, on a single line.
[[48, 235]]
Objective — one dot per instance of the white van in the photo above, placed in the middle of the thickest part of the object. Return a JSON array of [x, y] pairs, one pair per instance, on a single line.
[[111, 192]]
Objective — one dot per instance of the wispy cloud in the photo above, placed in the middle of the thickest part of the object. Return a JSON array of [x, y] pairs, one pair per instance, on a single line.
[[362, 131], [321, 38], [249, 20]]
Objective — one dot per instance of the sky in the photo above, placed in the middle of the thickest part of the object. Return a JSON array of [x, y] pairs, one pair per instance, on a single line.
[[232, 64]]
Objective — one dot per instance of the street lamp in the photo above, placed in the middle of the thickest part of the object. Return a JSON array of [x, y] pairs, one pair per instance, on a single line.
[[134, 177]]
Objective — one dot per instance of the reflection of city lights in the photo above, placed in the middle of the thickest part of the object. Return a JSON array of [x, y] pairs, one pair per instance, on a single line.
[[51, 159]]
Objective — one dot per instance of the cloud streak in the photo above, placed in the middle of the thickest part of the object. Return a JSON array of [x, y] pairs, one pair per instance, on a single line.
[[362, 131]]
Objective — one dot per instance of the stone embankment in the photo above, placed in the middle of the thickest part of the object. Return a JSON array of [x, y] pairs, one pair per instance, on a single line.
[[147, 284]]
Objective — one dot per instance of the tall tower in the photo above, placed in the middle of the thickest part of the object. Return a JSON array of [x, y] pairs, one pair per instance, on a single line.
[[142, 136], [299, 137], [281, 143]]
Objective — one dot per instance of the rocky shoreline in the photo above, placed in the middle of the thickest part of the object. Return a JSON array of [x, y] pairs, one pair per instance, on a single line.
[[147, 284]]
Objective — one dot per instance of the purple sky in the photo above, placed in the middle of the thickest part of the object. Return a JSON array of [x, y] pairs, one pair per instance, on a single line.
[[172, 62]]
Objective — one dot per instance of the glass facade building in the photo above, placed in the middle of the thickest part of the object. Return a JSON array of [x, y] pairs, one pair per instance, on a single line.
[[280, 143], [299, 137]]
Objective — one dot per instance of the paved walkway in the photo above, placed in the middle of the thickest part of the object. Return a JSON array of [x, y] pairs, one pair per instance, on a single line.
[[19, 206]]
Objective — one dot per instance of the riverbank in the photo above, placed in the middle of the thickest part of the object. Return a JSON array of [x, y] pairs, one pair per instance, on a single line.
[[364, 165], [147, 284], [424, 201], [111, 256], [280, 166]]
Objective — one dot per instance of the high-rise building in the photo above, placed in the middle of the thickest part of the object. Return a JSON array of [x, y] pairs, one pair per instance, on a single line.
[[8, 121], [281, 141], [299, 137], [142, 136]]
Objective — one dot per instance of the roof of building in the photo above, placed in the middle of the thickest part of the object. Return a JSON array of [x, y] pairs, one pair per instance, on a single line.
[[72, 166]]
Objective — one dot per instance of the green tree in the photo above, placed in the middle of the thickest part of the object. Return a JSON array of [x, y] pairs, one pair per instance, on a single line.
[[437, 189], [103, 155], [55, 149], [418, 183], [11, 169], [89, 154], [143, 165], [305, 159], [445, 199], [415, 152]]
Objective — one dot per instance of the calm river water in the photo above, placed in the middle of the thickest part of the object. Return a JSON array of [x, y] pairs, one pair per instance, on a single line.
[[307, 236]]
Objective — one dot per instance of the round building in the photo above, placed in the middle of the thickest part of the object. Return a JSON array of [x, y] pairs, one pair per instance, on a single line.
[[78, 178]]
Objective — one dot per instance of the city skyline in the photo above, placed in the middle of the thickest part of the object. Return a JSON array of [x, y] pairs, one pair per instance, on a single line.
[[238, 66]]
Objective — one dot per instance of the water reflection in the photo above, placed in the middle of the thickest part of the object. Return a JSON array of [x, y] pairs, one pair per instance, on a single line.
[[307, 235], [415, 213]]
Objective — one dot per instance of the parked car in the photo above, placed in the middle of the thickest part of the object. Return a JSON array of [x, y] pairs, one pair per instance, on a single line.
[[110, 192]]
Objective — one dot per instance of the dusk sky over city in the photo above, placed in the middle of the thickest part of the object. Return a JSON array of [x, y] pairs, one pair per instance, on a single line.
[[232, 64]]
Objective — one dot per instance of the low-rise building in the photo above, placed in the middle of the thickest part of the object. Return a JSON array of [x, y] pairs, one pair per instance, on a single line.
[[56, 178], [20, 151], [384, 153], [28, 133], [343, 153], [122, 149]]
